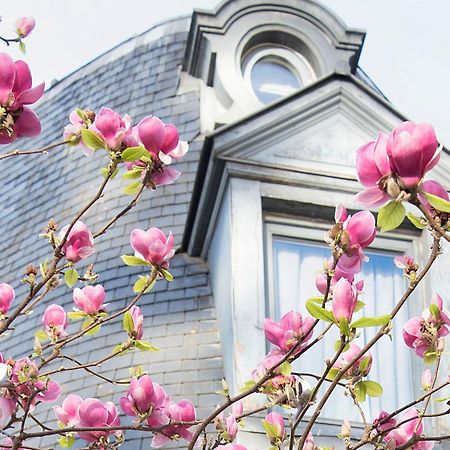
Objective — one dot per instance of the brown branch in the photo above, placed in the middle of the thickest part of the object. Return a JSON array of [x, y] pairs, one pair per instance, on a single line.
[[432, 222], [42, 150]]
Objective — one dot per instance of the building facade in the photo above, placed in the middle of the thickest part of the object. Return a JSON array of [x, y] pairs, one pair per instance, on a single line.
[[274, 105]]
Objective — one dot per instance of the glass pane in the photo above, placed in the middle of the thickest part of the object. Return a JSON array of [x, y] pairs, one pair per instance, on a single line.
[[271, 81], [295, 267]]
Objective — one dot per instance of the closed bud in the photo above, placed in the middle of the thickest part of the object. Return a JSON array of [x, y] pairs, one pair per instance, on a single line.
[[441, 345], [346, 429], [31, 270]]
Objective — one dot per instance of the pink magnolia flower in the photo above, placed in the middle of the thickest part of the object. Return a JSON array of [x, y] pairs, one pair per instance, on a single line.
[[55, 320], [383, 425], [309, 443], [434, 188], [138, 321], [426, 380], [232, 447], [90, 299], [72, 132], [423, 333], [359, 232], [111, 128], [7, 296], [272, 358], [8, 444], [344, 300], [153, 246], [24, 26], [95, 414], [183, 411], [360, 368], [67, 413], [275, 431], [321, 280], [227, 428], [289, 330], [372, 164], [7, 405], [403, 433], [237, 409], [412, 150], [16, 119], [79, 243], [146, 400], [157, 136]]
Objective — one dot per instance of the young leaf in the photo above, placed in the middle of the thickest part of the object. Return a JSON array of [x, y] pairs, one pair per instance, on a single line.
[[91, 140], [364, 322], [41, 335], [22, 46], [343, 326], [373, 388], [320, 313], [94, 330], [140, 285], [270, 429], [317, 300], [67, 441], [391, 216], [132, 174], [364, 364], [145, 346], [71, 277], [132, 188], [131, 154], [438, 203], [415, 220], [76, 315], [360, 391], [130, 260], [359, 305], [435, 311], [331, 375], [167, 275], [285, 369], [128, 323]]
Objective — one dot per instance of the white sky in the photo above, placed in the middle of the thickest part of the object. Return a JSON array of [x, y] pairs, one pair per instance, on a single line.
[[406, 52]]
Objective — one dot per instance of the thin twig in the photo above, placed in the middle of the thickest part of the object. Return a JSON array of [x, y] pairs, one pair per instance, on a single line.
[[43, 150]]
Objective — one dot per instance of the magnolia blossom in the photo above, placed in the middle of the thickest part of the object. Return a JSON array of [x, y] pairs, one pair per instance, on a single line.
[[90, 299], [24, 26], [381, 424], [228, 428], [344, 300], [271, 359], [67, 413], [72, 131], [55, 320], [309, 443], [16, 119], [360, 368], [274, 427], [138, 321], [183, 411], [7, 405], [79, 243], [111, 128], [157, 136], [423, 333], [7, 296], [410, 425], [95, 414], [153, 246], [232, 447], [289, 330], [146, 400], [426, 380], [395, 162], [321, 280]]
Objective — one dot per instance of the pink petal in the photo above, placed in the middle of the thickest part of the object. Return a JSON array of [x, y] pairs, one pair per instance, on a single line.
[[7, 76], [28, 124], [31, 95]]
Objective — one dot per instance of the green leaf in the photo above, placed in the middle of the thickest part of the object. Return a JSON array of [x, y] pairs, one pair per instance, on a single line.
[[22, 46], [131, 154], [429, 357], [285, 369], [105, 171], [359, 306], [343, 326], [118, 349], [132, 174], [364, 322], [415, 220], [442, 399], [337, 346], [127, 322], [91, 140], [71, 277], [320, 313], [167, 275], [331, 375], [130, 260], [434, 310], [391, 216], [270, 429], [373, 388], [438, 203], [141, 283], [360, 391], [317, 300], [94, 330], [66, 441], [41, 335], [145, 346], [364, 364], [76, 315], [247, 385], [132, 188]]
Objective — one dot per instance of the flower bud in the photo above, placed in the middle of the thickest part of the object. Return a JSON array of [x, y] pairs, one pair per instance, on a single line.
[[427, 380], [24, 26], [346, 429], [7, 296]]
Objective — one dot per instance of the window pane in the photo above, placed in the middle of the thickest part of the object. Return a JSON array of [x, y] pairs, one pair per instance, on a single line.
[[296, 264]]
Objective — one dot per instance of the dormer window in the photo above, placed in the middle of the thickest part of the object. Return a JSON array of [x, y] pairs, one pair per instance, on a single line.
[[274, 72]]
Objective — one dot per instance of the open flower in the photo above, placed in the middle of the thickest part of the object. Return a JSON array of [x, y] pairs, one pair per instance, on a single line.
[[67, 413], [157, 136], [289, 330], [360, 368], [79, 120], [55, 321], [79, 243], [16, 119], [90, 299], [7, 296], [111, 128], [95, 414], [153, 246]]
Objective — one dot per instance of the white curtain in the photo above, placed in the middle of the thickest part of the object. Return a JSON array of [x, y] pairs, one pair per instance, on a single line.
[[295, 265]]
